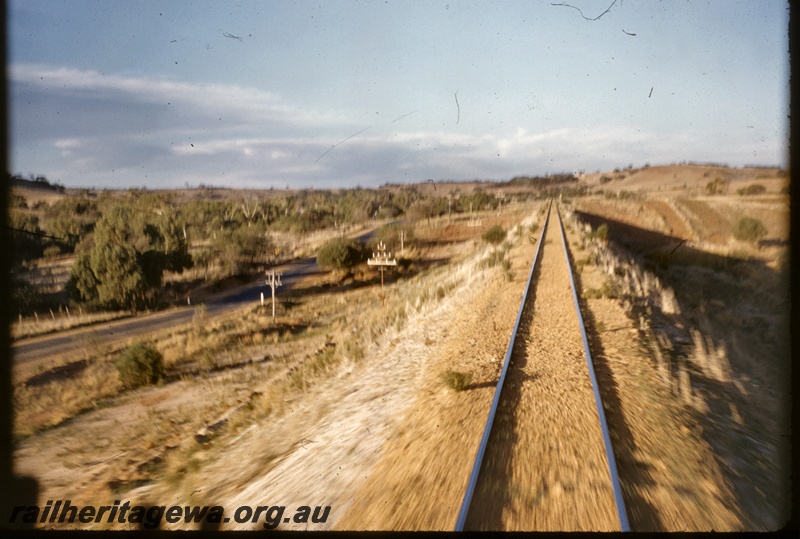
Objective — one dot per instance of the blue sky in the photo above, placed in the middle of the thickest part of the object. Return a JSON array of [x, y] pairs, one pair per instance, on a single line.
[[345, 93]]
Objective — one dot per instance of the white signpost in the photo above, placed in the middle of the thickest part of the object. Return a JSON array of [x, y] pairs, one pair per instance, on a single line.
[[382, 260], [273, 281]]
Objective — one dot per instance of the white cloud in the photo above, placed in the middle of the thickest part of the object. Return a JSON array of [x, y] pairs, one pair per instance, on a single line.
[[68, 144], [121, 130], [368, 160], [222, 100]]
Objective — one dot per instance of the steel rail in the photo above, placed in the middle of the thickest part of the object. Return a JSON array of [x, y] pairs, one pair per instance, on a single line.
[[476, 468], [612, 465]]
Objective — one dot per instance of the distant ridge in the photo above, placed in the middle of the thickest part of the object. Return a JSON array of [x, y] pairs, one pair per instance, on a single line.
[[40, 183]]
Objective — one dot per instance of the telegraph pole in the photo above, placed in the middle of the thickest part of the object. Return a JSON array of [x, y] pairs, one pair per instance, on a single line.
[[273, 281], [382, 260], [402, 239]]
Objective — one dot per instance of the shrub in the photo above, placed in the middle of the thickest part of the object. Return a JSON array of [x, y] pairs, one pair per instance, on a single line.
[[752, 189], [340, 254], [494, 235], [457, 381], [140, 365], [749, 229], [601, 233]]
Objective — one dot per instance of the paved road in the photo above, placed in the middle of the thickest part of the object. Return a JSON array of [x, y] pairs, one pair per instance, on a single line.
[[105, 333], [108, 332]]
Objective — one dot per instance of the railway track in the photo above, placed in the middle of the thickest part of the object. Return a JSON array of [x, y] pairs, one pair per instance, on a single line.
[[545, 461]]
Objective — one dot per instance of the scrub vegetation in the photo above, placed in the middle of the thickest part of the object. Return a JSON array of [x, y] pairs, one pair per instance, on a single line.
[[337, 395]]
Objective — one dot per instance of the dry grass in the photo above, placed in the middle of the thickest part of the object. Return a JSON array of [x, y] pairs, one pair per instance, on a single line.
[[341, 331], [42, 324], [231, 377], [710, 358], [44, 405], [707, 333]]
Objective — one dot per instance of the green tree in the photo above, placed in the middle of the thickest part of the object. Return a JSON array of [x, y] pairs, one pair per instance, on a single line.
[[128, 255], [82, 284], [71, 219], [120, 278]]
